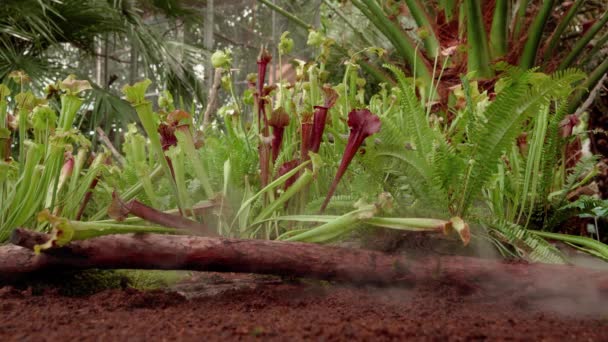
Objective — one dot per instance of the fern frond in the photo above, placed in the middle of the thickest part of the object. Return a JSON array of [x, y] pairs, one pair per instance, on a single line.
[[527, 245], [413, 115], [419, 175], [552, 147], [565, 79], [582, 168], [505, 116], [391, 133], [532, 176], [447, 168], [583, 206], [525, 94]]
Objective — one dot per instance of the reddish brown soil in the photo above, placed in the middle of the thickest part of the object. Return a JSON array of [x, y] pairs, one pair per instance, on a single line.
[[229, 307]]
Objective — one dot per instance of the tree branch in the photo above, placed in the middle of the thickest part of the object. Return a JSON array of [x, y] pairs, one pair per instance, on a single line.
[[212, 99], [104, 139]]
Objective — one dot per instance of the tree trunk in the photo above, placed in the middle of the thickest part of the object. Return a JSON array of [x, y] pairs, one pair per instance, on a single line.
[[152, 251]]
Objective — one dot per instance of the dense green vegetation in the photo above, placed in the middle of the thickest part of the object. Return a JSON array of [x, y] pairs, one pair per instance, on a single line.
[[484, 152]]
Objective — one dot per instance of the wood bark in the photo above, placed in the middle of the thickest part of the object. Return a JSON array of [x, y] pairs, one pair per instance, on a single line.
[[153, 251]]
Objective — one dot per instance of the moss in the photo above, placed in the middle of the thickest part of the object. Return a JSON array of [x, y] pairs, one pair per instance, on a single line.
[[153, 279], [75, 283], [257, 332], [87, 282]]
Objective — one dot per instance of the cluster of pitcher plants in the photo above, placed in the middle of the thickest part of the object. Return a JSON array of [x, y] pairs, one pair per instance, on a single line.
[[306, 161]]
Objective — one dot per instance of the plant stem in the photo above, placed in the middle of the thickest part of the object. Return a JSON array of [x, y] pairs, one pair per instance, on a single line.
[[588, 244], [519, 18], [351, 25], [599, 44], [498, 33], [403, 44], [561, 27], [479, 53], [277, 182], [300, 184], [286, 14], [22, 135], [186, 142], [583, 41], [146, 117], [335, 228], [535, 33], [590, 83], [431, 43]]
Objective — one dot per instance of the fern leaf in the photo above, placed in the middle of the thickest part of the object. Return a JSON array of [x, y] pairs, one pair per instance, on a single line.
[[413, 115], [528, 246], [523, 96]]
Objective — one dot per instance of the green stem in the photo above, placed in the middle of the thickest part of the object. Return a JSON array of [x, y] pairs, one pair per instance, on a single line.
[[176, 154], [353, 27], [34, 154], [300, 184], [399, 223], [286, 14], [533, 164], [498, 33], [402, 43], [368, 67], [407, 223], [599, 44], [22, 133], [52, 171], [87, 230], [448, 8], [79, 161], [4, 92], [590, 244], [66, 231], [186, 142], [520, 16], [269, 187], [590, 83], [146, 117], [561, 27], [314, 88], [335, 228], [479, 53], [23, 210], [70, 104], [5, 133], [431, 43], [347, 74], [142, 172], [535, 33], [583, 41]]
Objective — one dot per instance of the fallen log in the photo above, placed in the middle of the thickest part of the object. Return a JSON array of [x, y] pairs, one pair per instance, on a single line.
[[178, 252], [303, 260]]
